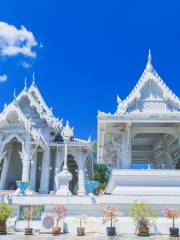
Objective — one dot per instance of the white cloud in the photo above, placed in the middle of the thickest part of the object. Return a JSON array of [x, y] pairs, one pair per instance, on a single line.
[[3, 78], [26, 64], [15, 41]]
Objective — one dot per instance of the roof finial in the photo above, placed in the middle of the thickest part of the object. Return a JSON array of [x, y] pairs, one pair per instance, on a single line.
[[149, 66], [89, 139], [25, 84], [5, 105], [149, 57], [67, 124], [14, 94], [118, 99], [33, 77]]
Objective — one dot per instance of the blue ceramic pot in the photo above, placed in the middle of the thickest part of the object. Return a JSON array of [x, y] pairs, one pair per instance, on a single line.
[[91, 186], [22, 186]]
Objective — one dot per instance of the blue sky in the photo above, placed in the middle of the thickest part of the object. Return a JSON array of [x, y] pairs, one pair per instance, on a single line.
[[87, 52]]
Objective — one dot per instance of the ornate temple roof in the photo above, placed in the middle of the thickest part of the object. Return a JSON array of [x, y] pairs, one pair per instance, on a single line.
[[30, 109], [150, 97]]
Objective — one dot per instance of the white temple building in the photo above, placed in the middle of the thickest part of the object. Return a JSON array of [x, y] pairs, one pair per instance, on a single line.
[[33, 148], [144, 129]]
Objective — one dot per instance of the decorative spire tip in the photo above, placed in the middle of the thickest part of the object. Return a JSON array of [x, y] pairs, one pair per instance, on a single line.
[[149, 57], [14, 94], [149, 66], [67, 123], [89, 139], [33, 78], [118, 99], [25, 83]]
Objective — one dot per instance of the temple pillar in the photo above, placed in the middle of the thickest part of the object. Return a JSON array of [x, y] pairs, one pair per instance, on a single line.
[[118, 161], [178, 136], [45, 172], [33, 171], [117, 145], [26, 160], [1, 150], [81, 173], [58, 164], [168, 163], [126, 162], [5, 167], [25, 170]]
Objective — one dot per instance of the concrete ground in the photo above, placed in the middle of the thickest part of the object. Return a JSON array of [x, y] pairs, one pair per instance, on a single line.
[[20, 236]]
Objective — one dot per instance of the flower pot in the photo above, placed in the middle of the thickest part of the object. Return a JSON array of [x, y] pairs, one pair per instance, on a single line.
[[80, 231], [111, 231], [28, 231], [143, 231], [22, 186], [174, 232], [3, 229], [56, 230]]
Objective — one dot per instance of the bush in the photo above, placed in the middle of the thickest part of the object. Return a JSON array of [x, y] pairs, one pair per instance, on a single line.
[[142, 213], [5, 212]]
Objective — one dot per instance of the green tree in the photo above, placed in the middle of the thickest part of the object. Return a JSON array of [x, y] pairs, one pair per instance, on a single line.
[[101, 171]]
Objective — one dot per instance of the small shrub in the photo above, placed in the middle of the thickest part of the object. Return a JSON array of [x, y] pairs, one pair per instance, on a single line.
[[5, 212], [142, 213], [59, 213], [110, 214]]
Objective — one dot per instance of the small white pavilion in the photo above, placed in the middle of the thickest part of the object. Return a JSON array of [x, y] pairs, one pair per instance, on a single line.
[[32, 147], [144, 129]]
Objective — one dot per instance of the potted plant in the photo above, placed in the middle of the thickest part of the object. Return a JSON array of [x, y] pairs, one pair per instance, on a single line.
[[81, 228], [59, 213], [21, 187], [110, 214], [29, 213], [143, 214], [172, 214], [5, 213]]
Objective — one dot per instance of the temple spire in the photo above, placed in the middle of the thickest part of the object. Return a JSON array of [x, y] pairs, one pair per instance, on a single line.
[[67, 124], [25, 84], [33, 78], [14, 94], [149, 66], [149, 57], [118, 99], [89, 139]]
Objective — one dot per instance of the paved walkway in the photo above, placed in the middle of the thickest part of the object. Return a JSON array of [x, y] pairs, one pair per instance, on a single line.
[[20, 236]]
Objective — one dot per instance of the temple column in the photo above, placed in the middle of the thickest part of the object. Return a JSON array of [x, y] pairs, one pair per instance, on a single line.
[[178, 135], [5, 167], [168, 163], [58, 163], [26, 170], [33, 171], [81, 173], [26, 161], [118, 147], [45, 172], [1, 150], [126, 148], [118, 163]]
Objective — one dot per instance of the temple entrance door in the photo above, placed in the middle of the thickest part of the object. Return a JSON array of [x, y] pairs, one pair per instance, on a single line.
[[14, 162]]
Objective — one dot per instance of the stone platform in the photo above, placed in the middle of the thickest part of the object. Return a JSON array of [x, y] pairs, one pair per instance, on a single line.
[[144, 182], [161, 188]]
